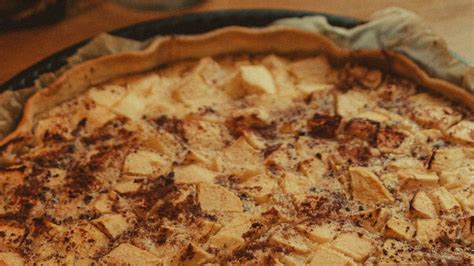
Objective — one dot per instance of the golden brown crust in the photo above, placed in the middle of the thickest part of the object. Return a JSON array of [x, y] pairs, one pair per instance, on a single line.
[[222, 41]]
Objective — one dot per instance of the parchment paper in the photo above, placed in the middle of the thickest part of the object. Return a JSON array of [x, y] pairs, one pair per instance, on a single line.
[[392, 28], [399, 30]]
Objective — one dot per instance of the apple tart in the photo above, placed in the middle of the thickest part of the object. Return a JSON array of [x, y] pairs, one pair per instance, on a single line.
[[241, 146]]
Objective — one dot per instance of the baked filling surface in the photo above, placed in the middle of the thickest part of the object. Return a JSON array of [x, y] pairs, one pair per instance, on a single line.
[[244, 159]]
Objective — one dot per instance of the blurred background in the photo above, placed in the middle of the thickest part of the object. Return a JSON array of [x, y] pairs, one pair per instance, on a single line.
[[24, 13], [31, 30]]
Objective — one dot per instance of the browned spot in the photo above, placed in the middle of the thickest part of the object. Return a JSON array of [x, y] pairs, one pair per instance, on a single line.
[[53, 137], [238, 125], [39, 226], [13, 169], [22, 214], [256, 229], [430, 159], [320, 207], [189, 209], [344, 85], [354, 153], [270, 149], [99, 138], [80, 179], [32, 186], [113, 129], [59, 157], [274, 168], [188, 253], [323, 126], [249, 251], [349, 76], [170, 125], [266, 131], [390, 138], [363, 128], [80, 126], [159, 188]]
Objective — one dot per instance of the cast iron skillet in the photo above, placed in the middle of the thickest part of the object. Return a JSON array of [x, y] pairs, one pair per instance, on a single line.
[[186, 24]]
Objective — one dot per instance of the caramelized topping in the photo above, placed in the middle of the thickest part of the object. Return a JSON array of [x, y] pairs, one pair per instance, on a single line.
[[323, 126]]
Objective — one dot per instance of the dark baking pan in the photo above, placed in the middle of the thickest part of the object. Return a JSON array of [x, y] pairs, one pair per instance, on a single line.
[[187, 24]]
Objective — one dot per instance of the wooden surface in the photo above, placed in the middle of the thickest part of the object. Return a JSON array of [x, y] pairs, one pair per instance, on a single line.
[[454, 20]]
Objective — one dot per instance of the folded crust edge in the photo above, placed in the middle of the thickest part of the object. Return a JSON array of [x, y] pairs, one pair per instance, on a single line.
[[228, 40]]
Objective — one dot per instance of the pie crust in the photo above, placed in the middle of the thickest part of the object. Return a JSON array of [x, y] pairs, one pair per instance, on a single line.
[[222, 41]]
